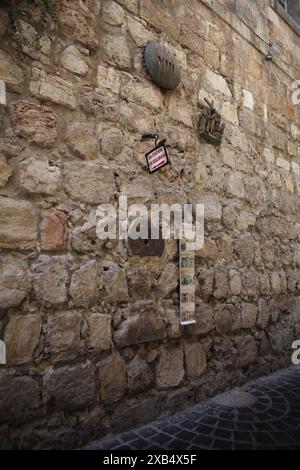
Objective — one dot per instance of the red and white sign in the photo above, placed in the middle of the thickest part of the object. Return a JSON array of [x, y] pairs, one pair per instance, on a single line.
[[157, 158]]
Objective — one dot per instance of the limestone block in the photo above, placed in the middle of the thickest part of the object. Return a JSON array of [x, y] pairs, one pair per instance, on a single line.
[[37, 175], [22, 335], [18, 227]]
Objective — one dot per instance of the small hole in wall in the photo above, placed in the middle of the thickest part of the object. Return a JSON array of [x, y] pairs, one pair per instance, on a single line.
[[105, 268], [146, 242]]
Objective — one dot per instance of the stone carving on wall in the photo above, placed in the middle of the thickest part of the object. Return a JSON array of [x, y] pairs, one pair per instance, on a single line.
[[162, 66], [210, 125]]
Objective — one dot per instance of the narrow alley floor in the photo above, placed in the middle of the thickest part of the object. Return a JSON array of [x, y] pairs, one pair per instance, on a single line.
[[263, 414]]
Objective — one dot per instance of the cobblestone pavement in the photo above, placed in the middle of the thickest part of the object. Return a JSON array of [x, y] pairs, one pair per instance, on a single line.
[[263, 414]]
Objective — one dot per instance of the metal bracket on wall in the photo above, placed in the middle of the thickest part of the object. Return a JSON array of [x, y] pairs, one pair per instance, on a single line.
[[210, 125]]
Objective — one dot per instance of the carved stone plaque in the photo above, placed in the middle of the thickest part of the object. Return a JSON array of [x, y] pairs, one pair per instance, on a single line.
[[162, 66]]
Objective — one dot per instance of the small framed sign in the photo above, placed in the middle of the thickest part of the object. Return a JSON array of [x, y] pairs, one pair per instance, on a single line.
[[158, 157]]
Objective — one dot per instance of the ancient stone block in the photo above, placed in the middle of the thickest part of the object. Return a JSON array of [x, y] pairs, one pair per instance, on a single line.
[[54, 89], [138, 32], [72, 60], [85, 284], [39, 176], [79, 24], [89, 182], [81, 139], [244, 248], [115, 283], [50, 279], [235, 185], [21, 338], [112, 142], [139, 282], [15, 281], [275, 279], [251, 282], [284, 164], [255, 190], [5, 171], [54, 231], [170, 370], [205, 320], [71, 388], [112, 13], [139, 375], [143, 328], [247, 351], [180, 111], [36, 123], [10, 73], [248, 315], [221, 283], [264, 284], [217, 82], [195, 360], [131, 5], [18, 224], [139, 190], [263, 313], [212, 208], [116, 51], [235, 282], [174, 329], [108, 78], [112, 377], [63, 331], [228, 156], [229, 113], [142, 93], [99, 330], [224, 320], [19, 398], [168, 280]]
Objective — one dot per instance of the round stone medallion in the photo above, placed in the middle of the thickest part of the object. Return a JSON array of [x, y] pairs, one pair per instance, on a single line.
[[162, 66]]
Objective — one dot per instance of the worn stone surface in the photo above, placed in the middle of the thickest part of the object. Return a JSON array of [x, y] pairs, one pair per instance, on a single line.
[[195, 360], [99, 330], [37, 124], [92, 183], [72, 60], [54, 230], [21, 338], [63, 331], [5, 171], [20, 398], [71, 388], [18, 227], [81, 139], [139, 375], [53, 89], [10, 73], [15, 281], [112, 377], [112, 142], [170, 370], [39, 176], [50, 277], [85, 283]]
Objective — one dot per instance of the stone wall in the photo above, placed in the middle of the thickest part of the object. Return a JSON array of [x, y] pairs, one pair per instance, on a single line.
[[94, 344]]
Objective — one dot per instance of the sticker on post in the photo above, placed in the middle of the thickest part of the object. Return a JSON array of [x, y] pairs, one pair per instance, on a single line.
[[158, 157]]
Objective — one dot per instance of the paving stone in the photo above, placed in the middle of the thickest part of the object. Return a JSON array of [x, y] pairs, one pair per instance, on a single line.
[[270, 421]]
